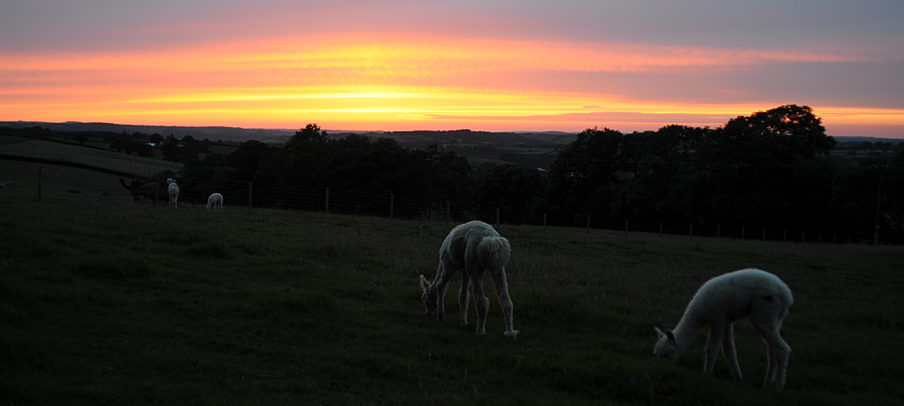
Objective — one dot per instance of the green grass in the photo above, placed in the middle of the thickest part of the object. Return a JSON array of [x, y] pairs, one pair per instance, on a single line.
[[103, 301], [476, 160], [7, 139]]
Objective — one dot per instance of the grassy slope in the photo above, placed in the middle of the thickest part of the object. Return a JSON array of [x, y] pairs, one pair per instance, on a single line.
[[138, 166], [103, 301]]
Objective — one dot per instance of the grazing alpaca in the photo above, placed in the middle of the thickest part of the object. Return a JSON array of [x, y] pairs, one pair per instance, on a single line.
[[721, 301], [216, 201], [173, 190], [473, 248]]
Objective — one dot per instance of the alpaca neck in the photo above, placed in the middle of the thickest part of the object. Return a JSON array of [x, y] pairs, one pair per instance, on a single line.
[[685, 332]]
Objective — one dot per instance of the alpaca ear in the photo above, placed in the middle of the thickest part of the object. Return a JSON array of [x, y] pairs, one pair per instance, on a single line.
[[659, 333], [668, 333], [424, 284]]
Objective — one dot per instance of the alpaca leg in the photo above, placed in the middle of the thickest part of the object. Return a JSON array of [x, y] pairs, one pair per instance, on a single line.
[[482, 303], [501, 285], [716, 333], [781, 353], [728, 350], [463, 298], [444, 273], [441, 301], [771, 364], [778, 352]]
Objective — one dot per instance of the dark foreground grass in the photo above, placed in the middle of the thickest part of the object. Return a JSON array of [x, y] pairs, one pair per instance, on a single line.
[[103, 301]]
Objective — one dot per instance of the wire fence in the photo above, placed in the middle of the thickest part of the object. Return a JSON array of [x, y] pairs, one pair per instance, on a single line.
[[349, 202], [248, 195]]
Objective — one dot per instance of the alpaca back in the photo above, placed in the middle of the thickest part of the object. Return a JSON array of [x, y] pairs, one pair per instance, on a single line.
[[736, 294]]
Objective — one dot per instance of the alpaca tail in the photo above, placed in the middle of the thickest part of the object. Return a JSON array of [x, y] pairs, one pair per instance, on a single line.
[[494, 252]]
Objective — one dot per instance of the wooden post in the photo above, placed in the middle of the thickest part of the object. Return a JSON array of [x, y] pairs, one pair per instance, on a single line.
[[327, 207], [40, 170], [249, 195], [692, 230], [391, 204]]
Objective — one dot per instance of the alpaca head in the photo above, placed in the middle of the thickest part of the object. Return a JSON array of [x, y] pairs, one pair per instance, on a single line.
[[665, 348], [428, 299]]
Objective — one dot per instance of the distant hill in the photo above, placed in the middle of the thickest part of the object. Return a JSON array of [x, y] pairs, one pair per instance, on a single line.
[[421, 139], [417, 139], [213, 133], [843, 139]]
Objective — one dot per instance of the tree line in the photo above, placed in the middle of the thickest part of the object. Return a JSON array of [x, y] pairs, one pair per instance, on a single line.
[[772, 169]]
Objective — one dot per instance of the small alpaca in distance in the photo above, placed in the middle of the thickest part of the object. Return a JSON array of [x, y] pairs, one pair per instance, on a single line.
[[723, 300], [173, 190], [472, 247], [215, 201]]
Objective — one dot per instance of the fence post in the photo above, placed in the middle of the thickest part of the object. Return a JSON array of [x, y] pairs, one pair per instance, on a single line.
[[391, 205], [327, 207], [249, 195], [40, 170]]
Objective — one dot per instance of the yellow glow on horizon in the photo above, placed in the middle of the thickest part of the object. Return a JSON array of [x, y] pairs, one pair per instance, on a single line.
[[377, 82]]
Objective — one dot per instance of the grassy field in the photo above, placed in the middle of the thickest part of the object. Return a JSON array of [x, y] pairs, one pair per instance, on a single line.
[[110, 160], [103, 301], [476, 160]]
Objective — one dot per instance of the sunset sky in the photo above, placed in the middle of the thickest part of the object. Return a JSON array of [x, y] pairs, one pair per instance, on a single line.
[[630, 65]]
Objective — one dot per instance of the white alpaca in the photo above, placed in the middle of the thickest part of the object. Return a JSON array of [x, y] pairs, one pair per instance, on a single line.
[[215, 201], [173, 190], [472, 247], [721, 301]]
